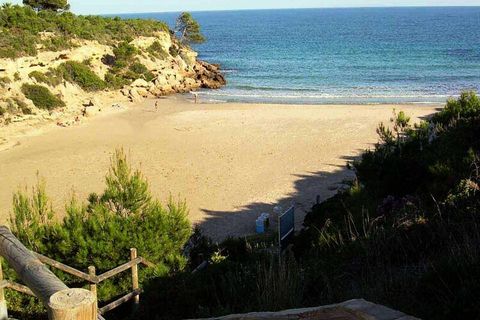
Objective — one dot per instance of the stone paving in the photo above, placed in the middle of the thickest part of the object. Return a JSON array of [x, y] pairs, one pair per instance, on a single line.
[[358, 309]]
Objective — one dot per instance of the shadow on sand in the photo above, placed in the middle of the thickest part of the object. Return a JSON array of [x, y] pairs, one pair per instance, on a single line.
[[307, 187]]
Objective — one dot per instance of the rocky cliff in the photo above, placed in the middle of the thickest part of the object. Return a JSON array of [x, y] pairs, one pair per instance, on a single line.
[[171, 68]]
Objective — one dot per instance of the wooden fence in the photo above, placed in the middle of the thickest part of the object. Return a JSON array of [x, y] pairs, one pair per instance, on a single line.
[[61, 302]]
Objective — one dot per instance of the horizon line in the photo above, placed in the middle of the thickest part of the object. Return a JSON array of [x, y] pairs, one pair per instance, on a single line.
[[289, 8]]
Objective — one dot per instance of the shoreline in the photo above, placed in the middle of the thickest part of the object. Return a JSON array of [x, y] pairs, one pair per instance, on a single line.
[[38, 127], [229, 161], [211, 98]]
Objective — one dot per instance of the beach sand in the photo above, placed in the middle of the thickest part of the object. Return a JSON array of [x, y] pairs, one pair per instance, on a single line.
[[230, 162]]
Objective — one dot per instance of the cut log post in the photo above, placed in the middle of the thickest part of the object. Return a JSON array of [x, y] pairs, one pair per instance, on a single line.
[[72, 304], [3, 303], [135, 285], [62, 303]]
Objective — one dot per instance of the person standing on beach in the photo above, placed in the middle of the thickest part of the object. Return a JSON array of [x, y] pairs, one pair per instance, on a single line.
[[156, 105]]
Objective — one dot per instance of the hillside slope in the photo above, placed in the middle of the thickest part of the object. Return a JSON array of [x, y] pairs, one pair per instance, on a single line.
[[87, 74]]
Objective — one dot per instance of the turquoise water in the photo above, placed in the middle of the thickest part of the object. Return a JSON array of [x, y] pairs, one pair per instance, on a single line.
[[379, 55]]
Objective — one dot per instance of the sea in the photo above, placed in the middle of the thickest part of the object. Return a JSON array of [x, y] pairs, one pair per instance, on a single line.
[[340, 56]]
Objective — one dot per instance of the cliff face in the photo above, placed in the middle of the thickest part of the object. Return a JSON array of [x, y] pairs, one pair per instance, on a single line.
[[173, 69], [180, 72]]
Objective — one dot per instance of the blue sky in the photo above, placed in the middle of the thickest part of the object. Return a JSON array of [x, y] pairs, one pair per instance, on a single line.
[[127, 6]]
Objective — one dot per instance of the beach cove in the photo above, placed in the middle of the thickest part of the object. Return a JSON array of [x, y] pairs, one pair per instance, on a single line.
[[230, 162]]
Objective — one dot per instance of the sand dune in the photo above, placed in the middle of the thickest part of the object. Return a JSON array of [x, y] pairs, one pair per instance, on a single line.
[[229, 161]]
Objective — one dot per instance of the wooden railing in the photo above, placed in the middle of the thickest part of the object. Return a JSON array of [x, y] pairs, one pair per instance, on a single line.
[[62, 303]]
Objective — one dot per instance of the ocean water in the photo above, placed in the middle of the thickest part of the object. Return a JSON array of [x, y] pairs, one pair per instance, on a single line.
[[324, 56]]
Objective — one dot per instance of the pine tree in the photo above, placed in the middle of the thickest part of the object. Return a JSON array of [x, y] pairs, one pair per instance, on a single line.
[[188, 29], [53, 5]]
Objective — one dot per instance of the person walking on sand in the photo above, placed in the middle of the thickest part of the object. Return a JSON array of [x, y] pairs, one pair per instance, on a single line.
[[156, 105]]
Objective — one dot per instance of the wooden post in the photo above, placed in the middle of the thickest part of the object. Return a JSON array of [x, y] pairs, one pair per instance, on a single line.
[[62, 303], [3, 302], [133, 256], [93, 286], [33, 273], [72, 304]]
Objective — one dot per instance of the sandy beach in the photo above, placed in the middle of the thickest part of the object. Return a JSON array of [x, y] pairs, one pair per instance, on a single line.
[[230, 162]]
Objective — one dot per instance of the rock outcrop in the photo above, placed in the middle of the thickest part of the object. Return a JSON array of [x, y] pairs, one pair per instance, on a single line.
[[175, 69], [183, 74]]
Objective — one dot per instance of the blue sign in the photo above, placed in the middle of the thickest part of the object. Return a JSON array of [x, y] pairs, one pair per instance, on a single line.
[[286, 227]]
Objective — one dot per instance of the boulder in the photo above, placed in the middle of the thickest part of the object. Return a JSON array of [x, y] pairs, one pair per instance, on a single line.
[[142, 92], [160, 81], [140, 83], [134, 96], [91, 111]]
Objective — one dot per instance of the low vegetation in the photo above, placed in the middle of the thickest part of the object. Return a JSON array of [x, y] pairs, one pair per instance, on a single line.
[[81, 74], [51, 78], [101, 231], [21, 29], [4, 81], [125, 67], [14, 106], [404, 233], [156, 50], [41, 97]]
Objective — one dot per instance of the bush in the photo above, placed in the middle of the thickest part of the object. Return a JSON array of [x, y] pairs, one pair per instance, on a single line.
[[102, 231], [227, 286], [4, 81], [39, 76], [139, 70], [51, 78], [41, 97], [407, 229], [114, 81], [124, 52], [20, 27], [82, 75], [125, 67], [157, 51]]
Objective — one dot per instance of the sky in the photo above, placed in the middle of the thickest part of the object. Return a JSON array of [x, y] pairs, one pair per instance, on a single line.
[[135, 6]]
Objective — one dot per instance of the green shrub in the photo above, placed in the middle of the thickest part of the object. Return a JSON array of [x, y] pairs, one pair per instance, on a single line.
[[57, 43], [126, 67], [174, 50], [140, 71], [114, 81], [157, 50], [405, 234], [20, 27], [82, 75], [407, 229], [4, 81], [41, 97], [22, 106], [39, 76], [124, 51], [102, 231], [17, 42], [52, 78], [468, 105], [258, 283]]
